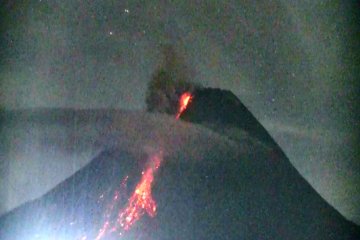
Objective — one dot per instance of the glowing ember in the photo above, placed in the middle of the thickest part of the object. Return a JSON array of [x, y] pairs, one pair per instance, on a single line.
[[183, 103], [141, 201]]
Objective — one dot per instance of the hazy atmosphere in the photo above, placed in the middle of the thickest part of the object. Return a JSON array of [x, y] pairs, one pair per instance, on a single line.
[[294, 65]]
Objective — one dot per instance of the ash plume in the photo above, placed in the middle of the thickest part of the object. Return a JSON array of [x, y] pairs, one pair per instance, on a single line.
[[169, 81]]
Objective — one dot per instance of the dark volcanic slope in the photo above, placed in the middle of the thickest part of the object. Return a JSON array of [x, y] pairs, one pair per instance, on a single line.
[[221, 109], [72, 206], [208, 187]]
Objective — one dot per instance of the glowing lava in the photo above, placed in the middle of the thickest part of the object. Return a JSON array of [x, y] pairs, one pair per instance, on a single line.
[[141, 201], [183, 103]]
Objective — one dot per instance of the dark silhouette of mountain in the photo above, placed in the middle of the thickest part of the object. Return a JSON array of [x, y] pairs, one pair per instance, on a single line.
[[209, 185], [220, 109]]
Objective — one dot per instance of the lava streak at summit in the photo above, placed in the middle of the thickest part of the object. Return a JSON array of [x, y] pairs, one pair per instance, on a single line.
[[184, 101], [141, 200]]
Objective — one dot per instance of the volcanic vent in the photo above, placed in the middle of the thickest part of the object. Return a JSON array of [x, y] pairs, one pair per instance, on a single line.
[[160, 178], [204, 186]]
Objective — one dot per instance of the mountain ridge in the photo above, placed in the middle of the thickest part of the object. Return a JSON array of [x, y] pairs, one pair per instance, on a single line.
[[207, 187]]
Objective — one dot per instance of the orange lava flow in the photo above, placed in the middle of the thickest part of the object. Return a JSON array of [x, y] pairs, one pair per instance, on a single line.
[[141, 201], [183, 103]]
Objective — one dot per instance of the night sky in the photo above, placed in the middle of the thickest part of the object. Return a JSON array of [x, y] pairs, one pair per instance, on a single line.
[[294, 65]]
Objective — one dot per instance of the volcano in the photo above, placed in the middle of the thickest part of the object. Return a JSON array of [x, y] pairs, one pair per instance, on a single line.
[[221, 110], [221, 176]]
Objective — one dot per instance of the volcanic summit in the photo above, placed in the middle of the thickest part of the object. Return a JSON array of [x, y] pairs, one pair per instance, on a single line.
[[213, 174]]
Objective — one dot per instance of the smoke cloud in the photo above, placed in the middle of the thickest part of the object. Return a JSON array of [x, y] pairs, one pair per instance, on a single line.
[[171, 79]]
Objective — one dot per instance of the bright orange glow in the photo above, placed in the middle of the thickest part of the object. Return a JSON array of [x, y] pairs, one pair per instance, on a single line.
[[141, 201], [183, 103]]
